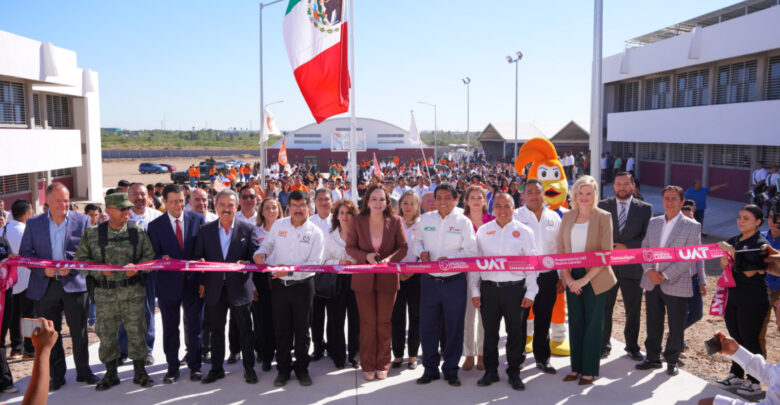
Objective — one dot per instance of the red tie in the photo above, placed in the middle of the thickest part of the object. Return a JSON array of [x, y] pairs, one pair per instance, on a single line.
[[179, 235]]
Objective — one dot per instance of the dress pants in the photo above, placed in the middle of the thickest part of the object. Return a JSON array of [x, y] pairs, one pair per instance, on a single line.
[[694, 307], [543, 309], [376, 311], [503, 302], [406, 300], [473, 316], [51, 306], [657, 303], [171, 317], [586, 322], [234, 339], [632, 303], [205, 341], [746, 309], [17, 306], [318, 324], [292, 318], [6, 379], [241, 313], [150, 284], [262, 317], [353, 323], [336, 309], [442, 298]]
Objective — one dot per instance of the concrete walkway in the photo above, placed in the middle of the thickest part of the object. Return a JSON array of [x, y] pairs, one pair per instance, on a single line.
[[619, 383]]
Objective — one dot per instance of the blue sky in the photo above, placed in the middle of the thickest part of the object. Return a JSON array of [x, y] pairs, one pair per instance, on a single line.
[[196, 62]]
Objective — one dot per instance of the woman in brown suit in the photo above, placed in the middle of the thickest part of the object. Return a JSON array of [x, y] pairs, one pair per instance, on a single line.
[[585, 228], [376, 236]]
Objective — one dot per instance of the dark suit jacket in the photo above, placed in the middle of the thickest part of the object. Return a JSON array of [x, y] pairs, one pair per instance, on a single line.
[[172, 283], [36, 242], [243, 243], [359, 245], [599, 238], [639, 214]]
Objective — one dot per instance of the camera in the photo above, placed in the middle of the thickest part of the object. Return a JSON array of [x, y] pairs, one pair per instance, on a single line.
[[749, 260]]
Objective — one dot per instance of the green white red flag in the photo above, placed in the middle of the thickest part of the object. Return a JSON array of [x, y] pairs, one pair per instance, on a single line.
[[315, 35]]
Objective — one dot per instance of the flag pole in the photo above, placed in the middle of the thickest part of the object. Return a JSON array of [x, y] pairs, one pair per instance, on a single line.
[[352, 136], [262, 107], [422, 151]]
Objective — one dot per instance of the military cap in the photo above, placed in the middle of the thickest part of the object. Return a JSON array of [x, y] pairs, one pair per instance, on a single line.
[[119, 200]]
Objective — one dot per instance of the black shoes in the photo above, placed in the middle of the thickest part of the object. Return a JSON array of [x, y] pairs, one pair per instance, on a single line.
[[489, 378], [354, 363], [317, 355], [233, 358], [452, 380], [212, 376], [647, 365], [303, 378], [266, 366], [605, 354], [56, 384], [635, 355], [89, 379], [281, 379], [426, 378], [171, 377], [516, 383], [250, 376], [139, 374], [396, 364], [111, 378], [196, 375], [546, 367], [672, 369]]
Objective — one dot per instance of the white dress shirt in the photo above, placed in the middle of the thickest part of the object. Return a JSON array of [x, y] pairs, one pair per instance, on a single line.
[[630, 164], [335, 249], [514, 239], [545, 228], [667, 228], [335, 195], [173, 223], [579, 237], [144, 219], [263, 234], [399, 191], [410, 255], [757, 176], [211, 217], [755, 365], [13, 233], [250, 220], [451, 237], [288, 245], [323, 223], [420, 190]]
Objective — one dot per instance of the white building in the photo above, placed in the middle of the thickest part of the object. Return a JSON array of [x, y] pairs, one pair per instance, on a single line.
[[699, 99], [49, 122]]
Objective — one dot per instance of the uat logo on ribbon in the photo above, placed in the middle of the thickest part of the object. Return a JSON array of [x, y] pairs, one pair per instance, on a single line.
[[696, 253], [491, 264]]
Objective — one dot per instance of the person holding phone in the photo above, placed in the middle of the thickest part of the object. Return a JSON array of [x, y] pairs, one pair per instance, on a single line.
[[747, 302]]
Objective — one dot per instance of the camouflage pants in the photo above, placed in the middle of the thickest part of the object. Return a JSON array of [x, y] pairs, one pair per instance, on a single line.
[[116, 306]]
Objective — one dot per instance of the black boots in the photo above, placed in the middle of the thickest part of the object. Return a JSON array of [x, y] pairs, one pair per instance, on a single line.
[[111, 378], [140, 377]]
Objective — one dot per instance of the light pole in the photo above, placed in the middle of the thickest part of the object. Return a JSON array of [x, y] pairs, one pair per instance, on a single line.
[[596, 96], [435, 131], [262, 107], [467, 81], [510, 60]]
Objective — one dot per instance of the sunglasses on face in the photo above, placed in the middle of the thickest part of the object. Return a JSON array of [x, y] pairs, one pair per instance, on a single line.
[[247, 197]]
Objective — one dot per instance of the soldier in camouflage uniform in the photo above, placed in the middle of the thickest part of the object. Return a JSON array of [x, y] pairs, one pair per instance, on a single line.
[[119, 295]]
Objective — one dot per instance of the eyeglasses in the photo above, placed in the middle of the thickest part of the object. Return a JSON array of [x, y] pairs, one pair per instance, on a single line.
[[247, 197], [298, 207]]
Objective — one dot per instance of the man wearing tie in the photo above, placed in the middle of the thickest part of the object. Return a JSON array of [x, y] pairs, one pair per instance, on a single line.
[[173, 236], [56, 235], [231, 241], [630, 217]]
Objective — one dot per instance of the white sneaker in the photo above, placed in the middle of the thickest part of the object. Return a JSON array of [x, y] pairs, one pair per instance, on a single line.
[[731, 381], [748, 388]]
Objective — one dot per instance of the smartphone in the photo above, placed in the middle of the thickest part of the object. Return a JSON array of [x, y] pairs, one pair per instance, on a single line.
[[713, 345], [750, 259], [29, 325]]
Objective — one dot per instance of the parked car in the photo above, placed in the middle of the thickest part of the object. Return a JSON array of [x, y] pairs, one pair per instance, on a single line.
[[171, 168], [152, 168]]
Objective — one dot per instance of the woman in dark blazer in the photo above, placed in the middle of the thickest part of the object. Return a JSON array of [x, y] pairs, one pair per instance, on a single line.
[[585, 228], [375, 236]]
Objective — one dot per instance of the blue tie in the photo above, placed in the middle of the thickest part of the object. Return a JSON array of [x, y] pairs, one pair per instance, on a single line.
[[622, 215]]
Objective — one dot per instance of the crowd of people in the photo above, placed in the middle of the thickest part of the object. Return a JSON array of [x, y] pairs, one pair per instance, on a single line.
[[406, 213]]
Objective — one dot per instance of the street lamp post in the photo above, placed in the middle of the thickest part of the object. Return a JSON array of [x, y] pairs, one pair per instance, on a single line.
[[510, 60], [435, 131], [262, 107], [467, 81]]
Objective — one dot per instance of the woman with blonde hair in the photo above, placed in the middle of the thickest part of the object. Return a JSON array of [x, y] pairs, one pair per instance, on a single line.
[[268, 211], [408, 297], [585, 228]]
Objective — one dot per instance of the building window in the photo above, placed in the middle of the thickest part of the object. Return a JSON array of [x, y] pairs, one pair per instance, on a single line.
[[37, 110], [770, 155], [58, 111], [62, 172], [687, 153], [628, 97], [736, 83], [773, 79], [652, 151], [390, 135], [15, 183], [693, 88], [658, 93], [12, 103], [622, 149], [730, 156]]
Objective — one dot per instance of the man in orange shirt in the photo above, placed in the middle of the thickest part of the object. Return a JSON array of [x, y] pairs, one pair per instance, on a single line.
[[298, 185]]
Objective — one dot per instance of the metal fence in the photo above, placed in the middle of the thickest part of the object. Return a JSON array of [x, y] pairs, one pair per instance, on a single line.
[[134, 154]]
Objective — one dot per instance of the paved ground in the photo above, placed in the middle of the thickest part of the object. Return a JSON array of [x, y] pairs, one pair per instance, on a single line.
[[619, 383]]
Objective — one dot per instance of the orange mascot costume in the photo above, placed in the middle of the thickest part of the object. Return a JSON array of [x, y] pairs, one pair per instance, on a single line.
[[545, 167]]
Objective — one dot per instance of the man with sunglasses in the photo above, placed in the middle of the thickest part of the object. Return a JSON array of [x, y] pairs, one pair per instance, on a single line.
[[248, 203]]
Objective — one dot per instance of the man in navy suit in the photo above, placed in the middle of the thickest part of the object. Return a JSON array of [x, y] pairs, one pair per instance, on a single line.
[[231, 241], [56, 235], [173, 236]]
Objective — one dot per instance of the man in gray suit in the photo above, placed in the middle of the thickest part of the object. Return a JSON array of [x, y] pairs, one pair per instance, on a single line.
[[630, 217], [668, 285]]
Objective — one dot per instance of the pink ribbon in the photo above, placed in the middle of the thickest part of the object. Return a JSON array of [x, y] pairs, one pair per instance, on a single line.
[[726, 280], [455, 265]]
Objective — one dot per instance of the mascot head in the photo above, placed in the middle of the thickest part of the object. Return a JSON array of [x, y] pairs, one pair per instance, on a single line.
[[545, 167]]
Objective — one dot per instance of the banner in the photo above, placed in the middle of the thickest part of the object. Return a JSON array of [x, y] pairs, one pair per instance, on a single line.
[[454, 265]]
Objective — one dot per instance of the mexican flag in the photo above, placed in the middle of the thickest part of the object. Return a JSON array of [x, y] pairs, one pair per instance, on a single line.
[[315, 34]]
